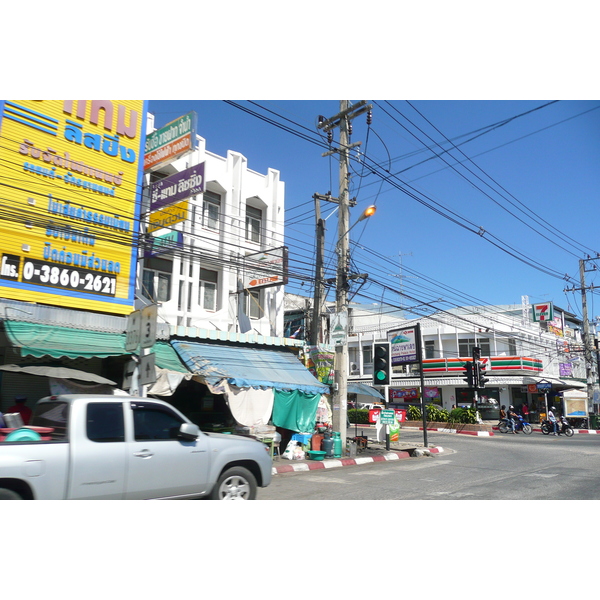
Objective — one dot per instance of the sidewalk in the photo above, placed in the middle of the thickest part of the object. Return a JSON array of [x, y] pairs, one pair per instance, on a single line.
[[375, 452]]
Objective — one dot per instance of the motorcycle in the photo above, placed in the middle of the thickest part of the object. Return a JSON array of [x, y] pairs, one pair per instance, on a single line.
[[563, 427], [521, 425]]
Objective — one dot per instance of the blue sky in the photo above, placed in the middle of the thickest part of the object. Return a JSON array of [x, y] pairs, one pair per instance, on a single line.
[[522, 197]]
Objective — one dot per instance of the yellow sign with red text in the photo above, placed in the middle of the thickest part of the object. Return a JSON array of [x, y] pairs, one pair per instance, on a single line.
[[71, 177]]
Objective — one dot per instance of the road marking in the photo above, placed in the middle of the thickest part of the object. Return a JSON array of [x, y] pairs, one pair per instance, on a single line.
[[540, 475]]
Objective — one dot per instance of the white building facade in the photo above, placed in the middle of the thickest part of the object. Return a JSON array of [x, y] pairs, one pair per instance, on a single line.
[[528, 363], [201, 284]]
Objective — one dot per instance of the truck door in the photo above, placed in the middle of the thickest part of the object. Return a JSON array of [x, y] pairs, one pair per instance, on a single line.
[[160, 463], [98, 452]]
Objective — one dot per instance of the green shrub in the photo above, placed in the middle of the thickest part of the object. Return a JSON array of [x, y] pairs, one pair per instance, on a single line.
[[359, 416], [435, 413], [463, 415], [414, 413]]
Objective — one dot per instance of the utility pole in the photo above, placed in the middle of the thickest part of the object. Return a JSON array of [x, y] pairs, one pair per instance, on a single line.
[[315, 330], [342, 120], [588, 341], [587, 338]]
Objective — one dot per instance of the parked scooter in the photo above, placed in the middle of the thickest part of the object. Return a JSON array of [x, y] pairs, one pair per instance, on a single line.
[[563, 427], [521, 425]]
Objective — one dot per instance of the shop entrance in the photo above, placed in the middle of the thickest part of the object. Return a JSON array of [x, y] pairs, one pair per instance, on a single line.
[[488, 402]]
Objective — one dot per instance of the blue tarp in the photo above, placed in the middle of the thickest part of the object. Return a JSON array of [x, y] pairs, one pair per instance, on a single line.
[[365, 390], [248, 367]]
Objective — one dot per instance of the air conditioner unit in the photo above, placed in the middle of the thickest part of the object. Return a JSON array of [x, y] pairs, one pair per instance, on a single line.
[[354, 369]]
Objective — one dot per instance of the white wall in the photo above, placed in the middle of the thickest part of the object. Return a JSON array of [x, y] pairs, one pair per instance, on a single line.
[[223, 250]]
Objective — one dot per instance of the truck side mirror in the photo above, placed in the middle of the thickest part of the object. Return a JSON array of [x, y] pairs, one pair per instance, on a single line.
[[189, 431]]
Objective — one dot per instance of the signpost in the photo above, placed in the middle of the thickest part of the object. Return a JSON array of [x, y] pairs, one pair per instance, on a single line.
[[387, 417], [141, 334], [406, 349]]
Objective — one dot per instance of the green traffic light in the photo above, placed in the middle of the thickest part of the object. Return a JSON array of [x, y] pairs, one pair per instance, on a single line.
[[380, 375]]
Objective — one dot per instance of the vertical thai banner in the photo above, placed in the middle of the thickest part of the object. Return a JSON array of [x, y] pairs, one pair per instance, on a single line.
[[321, 364], [71, 178]]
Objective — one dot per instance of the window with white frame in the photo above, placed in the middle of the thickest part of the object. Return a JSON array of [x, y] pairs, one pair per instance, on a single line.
[[465, 346], [211, 207], [207, 289], [429, 348], [253, 223], [156, 279], [254, 308]]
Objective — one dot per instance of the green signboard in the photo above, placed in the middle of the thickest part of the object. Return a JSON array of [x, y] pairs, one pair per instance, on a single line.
[[387, 417]]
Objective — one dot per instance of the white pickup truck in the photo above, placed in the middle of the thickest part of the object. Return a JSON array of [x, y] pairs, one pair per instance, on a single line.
[[122, 447]]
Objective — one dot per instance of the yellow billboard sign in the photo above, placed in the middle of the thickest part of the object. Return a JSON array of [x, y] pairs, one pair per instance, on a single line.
[[70, 181], [174, 213]]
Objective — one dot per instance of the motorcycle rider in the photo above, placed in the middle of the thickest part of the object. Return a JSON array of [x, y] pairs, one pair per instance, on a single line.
[[502, 414], [513, 418], [553, 420]]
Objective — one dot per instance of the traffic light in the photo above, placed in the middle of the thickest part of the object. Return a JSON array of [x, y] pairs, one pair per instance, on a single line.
[[481, 378], [469, 374], [382, 364]]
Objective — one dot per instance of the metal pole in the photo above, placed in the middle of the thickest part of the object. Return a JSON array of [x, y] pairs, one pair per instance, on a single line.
[[420, 354]]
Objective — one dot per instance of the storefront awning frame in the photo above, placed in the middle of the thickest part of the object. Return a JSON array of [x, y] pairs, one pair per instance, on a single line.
[[245, 367]]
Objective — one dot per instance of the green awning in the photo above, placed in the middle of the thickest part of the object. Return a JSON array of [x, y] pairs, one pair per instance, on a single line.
[[35, 339], [167, 358]]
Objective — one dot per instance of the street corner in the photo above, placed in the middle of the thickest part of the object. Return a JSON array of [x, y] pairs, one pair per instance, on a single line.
[[299, 466]]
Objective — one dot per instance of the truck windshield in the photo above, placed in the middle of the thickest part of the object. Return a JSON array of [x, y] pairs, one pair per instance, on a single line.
[[53, 415]]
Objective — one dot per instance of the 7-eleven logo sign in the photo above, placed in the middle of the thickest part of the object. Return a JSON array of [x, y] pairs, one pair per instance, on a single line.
[[543, 311]]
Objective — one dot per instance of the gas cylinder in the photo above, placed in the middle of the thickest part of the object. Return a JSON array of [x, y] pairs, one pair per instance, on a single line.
[[316, 441], [337, 444], [328, 446]]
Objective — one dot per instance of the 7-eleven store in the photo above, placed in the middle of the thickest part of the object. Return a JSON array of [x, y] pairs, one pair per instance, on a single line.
[[516, 380]]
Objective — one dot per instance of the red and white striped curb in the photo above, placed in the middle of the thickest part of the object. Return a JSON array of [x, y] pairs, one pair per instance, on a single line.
[[450, 430], [332, 463]]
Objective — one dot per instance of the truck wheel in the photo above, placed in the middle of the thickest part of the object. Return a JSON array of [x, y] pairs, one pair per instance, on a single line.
[[9, 495], [236, 483]]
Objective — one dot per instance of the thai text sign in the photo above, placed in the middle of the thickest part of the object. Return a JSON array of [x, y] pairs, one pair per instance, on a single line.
[[70, 223], [404, 346], [321, 364], [169, 142], [160, 244], [177, 187], [387, 417], [175, 213], [265, 269]]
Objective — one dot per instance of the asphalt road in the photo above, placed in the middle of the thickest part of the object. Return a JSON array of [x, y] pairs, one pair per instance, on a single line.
[[500, 467]]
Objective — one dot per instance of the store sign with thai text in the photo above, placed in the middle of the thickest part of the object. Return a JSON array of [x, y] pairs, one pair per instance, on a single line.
[[266, 269], [161, 244], [565, 370], [177, 187], [69, 229], [168, 143], [168, 216], [403, 345]]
